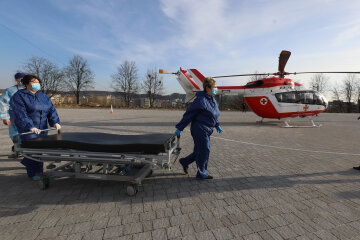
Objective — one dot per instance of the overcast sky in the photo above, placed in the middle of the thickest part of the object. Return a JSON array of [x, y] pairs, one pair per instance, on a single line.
[[217, 37]]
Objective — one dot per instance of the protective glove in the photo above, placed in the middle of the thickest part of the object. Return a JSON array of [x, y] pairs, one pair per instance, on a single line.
[[177, 132], [35, 130], [219, 129], [57, 126]]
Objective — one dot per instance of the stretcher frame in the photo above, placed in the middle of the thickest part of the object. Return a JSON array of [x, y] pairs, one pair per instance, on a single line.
[[131, 168]]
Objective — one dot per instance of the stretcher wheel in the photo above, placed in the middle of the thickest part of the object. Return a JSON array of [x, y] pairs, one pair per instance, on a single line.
[[131, 190], [44, 182]]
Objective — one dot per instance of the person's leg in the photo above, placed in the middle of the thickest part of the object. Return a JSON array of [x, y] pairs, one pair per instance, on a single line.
[[186, 161], [202, 152], [39, 168], [12, 133], [30, 168]]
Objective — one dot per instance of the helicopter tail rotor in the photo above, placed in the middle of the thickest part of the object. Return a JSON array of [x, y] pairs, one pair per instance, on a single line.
[[163, 71]]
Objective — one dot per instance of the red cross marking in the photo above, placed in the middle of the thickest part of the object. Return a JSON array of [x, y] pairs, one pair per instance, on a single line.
[[263, 101]]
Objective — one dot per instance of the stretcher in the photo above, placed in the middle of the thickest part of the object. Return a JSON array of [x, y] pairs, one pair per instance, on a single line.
[[102, 156]]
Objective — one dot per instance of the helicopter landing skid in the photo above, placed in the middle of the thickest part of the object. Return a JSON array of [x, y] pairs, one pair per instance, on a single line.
[[313, 124]]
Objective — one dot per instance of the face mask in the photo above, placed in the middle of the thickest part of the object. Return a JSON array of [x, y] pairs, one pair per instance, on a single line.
[[214, 91], [35, 86], [21, 84]]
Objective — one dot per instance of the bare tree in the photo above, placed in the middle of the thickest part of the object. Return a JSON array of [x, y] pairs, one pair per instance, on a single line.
[[336, 92], [349, 89], [319, 82], [153, 85], [125, 80], [52, 78], [79, 76]]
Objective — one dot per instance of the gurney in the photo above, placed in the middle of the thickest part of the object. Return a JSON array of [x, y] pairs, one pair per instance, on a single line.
[[102, 156]]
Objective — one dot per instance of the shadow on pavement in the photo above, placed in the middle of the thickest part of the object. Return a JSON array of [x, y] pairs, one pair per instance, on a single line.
[[20, 195]]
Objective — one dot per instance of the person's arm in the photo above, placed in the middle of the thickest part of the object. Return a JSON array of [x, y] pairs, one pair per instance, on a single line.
[[52, 116], [190, 114], [22, 120], [217, 123]]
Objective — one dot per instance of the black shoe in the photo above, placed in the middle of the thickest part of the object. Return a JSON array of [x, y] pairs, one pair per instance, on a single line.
[[208, 177], [185, 169], [357, 168], [13, 155]]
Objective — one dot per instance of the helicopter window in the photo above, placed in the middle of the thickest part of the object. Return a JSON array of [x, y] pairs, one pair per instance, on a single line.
[[306, 97], [279, 97], [301, 97], [289, 97], [309, 98], [318, 99]]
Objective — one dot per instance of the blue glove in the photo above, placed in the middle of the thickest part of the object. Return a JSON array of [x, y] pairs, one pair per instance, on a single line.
[[177, 132], [219, 129]]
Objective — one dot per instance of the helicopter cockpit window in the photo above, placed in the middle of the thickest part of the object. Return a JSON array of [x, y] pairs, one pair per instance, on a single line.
[[318, 99], [306, 97], [309, 98], [301, 97]]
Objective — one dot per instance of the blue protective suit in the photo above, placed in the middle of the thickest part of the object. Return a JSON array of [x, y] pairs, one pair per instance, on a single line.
[[203, 114], [28, 111], [5, 108]]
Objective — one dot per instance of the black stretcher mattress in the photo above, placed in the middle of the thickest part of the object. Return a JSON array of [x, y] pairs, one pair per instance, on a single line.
[[103, 142]]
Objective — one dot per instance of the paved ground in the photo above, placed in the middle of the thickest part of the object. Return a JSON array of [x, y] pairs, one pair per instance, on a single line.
[[259, 191]]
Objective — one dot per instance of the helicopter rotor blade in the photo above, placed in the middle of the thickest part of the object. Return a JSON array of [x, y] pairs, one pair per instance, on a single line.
[[283, 58], [295, 73], [277, 74], [244, 75]]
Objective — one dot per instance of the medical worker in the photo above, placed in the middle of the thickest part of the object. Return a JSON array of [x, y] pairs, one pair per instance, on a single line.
[[203, 114], [5, 106], [32, 110]]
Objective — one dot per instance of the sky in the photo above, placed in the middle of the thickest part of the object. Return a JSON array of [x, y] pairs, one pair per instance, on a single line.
[[218, 37]]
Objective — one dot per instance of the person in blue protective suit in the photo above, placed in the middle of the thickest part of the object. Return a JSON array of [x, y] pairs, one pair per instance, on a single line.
[[203, 114], [32, 111], [5, 106]]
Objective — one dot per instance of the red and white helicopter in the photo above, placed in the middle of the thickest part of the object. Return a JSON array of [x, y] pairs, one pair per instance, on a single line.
[[271, 97]]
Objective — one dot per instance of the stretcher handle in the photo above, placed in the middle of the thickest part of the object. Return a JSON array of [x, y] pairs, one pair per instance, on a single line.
[[41, 130]]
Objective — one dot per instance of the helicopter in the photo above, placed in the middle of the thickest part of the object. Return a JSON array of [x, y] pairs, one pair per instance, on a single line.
[[273, 97]]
